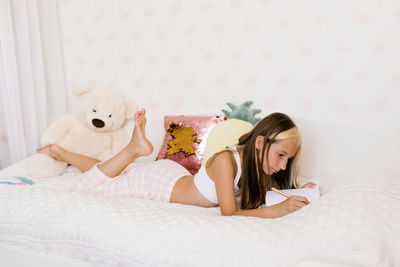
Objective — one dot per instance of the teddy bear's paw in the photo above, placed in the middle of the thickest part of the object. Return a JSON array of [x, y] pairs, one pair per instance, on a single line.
[[43, 166]]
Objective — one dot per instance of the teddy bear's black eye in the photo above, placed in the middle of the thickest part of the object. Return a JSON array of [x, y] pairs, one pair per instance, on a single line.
[[110, 116], [94, 110]]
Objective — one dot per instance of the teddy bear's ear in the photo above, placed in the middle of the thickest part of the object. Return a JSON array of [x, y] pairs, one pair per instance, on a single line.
[[82, 90], [130, 109]]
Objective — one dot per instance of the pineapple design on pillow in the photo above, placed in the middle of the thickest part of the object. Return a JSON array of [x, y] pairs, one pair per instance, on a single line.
[[242, 112]]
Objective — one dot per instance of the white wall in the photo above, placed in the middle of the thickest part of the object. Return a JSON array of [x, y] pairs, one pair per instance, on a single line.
[[336, 61]]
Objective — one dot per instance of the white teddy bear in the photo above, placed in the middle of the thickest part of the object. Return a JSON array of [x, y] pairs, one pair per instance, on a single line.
[[94, 130]]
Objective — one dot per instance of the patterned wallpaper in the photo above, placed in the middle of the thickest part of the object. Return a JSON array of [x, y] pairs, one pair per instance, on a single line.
[[336, 61]]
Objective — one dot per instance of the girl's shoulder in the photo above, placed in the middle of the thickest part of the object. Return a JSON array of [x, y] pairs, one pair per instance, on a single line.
[[222, 159]]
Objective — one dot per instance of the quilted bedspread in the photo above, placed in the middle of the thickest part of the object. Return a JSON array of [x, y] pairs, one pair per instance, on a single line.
[[356, 222]]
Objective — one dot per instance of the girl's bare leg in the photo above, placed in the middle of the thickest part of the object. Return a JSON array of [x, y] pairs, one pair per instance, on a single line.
[[82, 162], [137, 147]]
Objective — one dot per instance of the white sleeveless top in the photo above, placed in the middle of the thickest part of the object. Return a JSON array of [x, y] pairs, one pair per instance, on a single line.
[[206, 186]]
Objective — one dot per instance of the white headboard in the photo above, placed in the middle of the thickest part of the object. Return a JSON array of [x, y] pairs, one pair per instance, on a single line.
[[328, 149], [332, 149]]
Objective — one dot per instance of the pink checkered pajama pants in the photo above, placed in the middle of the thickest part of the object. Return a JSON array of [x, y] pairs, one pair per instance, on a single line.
[[147, 180]]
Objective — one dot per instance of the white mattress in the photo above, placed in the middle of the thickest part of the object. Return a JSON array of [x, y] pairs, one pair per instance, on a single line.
[[355, 222]]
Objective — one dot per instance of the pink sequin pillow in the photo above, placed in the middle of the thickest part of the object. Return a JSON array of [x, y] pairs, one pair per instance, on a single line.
[[185, 139]]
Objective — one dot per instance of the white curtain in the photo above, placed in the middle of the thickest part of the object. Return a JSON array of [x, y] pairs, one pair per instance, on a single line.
[[32, 84]]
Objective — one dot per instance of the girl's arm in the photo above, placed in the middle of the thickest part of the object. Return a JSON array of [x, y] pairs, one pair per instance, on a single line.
[[223, 170], [291, 204]]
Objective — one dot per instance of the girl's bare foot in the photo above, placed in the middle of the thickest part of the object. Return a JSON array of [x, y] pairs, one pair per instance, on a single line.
[[139, 144], [52, 150]]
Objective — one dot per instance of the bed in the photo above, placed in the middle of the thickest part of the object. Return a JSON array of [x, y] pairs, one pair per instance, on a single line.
[[354, 223]]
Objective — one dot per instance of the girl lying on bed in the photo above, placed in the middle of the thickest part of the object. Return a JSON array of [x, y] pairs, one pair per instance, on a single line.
[[265, 157]]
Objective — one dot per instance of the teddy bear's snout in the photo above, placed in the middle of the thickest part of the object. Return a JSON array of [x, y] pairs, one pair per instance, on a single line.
[[98, 123]]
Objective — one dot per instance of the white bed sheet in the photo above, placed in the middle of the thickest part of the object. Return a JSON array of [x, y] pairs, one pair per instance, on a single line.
[[14, 256], [354, 223]]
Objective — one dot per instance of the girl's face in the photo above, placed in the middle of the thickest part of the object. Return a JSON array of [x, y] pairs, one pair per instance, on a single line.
[[278, 154]]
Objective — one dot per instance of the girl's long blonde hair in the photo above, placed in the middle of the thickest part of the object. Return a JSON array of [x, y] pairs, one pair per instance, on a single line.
[[254, 182]]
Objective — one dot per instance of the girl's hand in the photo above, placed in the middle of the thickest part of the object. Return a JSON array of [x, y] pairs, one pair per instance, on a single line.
[[309, 185], [291, 204]]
